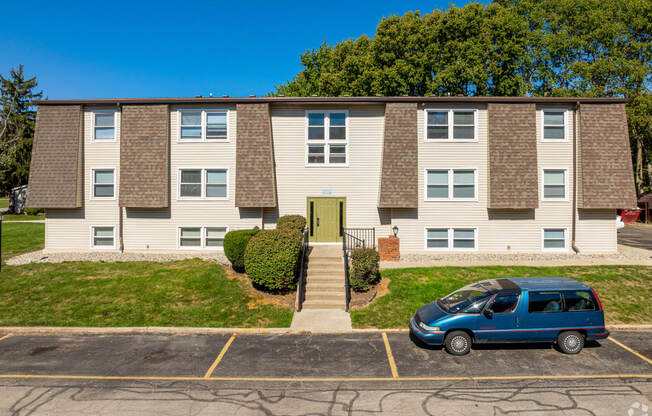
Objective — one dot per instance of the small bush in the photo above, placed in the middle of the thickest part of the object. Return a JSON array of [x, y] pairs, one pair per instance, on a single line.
[[235, 243], [364, 270], [296, 222], [272, 258], [34, 211]]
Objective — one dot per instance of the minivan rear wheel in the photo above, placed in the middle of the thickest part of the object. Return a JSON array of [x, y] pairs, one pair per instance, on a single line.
[[458, 343], [570, 342]]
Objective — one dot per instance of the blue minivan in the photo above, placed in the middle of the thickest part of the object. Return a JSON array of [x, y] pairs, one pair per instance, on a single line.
[[530, 309]]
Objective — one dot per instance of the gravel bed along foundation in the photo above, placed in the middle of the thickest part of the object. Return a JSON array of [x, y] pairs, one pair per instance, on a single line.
[[41, 257]]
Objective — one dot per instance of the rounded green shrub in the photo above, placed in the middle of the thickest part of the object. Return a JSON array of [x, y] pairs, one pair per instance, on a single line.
[[235, 243], [272, 258], [297, 222], [364, 269]]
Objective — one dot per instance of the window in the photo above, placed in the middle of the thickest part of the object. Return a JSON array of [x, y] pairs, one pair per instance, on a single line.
[[554, 125], [554, 239], [203, 125], [504, 304], [439, 122], [554, 184], [438, 180], [203, 183], [103, 183], [451, 239], [103, 237], [104, 125], [197, 237], [545, 302], [579, 301], [327, 138]]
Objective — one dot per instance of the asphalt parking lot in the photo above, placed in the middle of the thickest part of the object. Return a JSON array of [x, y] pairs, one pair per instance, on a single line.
[[636, 235], [375, 356]]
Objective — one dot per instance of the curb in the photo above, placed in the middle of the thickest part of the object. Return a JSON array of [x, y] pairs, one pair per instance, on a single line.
[[36, 330]]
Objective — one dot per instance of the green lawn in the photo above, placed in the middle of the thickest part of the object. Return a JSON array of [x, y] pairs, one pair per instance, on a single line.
[[625, 291], [14, 217], [21, 238], [4, 203]]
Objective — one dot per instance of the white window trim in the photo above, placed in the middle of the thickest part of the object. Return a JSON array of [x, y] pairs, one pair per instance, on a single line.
[[115, 124], [450, 185], [557, 110], [92, 182], [450, 138], [450, 238], [203, 138], [203, 196], [202, 244], [543, 247], [543, 184], [326, 142], [92, 241]]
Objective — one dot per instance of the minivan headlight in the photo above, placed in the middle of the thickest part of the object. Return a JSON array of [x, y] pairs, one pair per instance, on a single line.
[[428, 328]]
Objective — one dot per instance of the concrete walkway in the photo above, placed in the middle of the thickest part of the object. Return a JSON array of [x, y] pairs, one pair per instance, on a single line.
[[321, 320]]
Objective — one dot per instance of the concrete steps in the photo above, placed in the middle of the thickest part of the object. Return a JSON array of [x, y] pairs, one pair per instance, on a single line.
[[325, 279]]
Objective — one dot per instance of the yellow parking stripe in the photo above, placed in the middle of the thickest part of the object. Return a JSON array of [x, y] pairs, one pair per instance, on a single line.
[[219, 357], [390, 357], [630, 350], [5, 337]]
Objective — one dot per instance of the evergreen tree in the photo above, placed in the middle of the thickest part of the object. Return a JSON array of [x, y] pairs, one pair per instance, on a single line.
[[17, 120]]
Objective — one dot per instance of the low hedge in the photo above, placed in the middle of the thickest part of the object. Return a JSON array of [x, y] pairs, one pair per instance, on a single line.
[[235, 243], [272, 258], [297, 222], [364, 269]]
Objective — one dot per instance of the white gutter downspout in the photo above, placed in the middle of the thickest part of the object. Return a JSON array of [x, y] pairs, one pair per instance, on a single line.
[[575, 137]]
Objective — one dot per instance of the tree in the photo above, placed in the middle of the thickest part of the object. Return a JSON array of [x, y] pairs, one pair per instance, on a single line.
[[17, 120]]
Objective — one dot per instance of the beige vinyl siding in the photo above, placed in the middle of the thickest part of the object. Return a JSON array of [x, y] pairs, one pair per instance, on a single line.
[[70, 229], [596, 231]]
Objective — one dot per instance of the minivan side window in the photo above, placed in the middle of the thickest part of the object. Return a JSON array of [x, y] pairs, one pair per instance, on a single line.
[[545, 302], [579, 301], [504, 304]]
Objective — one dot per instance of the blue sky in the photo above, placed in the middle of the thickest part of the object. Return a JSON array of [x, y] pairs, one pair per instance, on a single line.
[[179, 48]]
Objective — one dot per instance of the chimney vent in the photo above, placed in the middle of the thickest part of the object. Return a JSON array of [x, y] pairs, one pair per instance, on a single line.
[[225, 96], [197, 96]]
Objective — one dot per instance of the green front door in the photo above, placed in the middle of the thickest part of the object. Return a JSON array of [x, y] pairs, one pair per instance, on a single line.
[[326, 219]]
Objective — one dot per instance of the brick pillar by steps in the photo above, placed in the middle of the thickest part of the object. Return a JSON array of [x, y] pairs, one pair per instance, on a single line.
[[389, 248]]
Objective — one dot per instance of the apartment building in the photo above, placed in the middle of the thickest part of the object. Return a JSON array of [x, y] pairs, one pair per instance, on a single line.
[[454, 174]]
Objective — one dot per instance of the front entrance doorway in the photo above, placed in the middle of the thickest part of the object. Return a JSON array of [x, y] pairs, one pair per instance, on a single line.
[[326, 219]]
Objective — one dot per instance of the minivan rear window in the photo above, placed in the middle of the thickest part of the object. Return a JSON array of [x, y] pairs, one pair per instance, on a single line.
[[545, 302], [579, 301]]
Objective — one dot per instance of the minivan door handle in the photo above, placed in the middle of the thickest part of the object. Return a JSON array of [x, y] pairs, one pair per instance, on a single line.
[[517, 320]]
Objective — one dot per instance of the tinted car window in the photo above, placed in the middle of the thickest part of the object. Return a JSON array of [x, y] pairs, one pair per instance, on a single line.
[[504, 304], [579, 301], [545, 302]]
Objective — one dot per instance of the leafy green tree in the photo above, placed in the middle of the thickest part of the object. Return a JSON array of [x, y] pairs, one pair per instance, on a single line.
[[17, 119]]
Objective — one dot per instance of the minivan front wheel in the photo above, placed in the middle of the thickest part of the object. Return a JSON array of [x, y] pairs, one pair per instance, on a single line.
[[458, 343], [570, 342]]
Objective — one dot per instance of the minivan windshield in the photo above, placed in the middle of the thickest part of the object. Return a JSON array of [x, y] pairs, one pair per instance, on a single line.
[[469, 299]]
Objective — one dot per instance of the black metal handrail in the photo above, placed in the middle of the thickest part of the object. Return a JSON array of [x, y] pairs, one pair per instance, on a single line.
[[302, 271], [353, 238]]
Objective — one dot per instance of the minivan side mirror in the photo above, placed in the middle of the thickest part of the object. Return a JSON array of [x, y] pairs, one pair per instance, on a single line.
[[488, 313]]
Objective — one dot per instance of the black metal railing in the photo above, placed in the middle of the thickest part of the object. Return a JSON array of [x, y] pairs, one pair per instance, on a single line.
[[353, 238], [302, 271]]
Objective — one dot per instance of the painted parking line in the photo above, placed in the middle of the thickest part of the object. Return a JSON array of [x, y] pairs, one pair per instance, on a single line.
[[636, 353], [5, 337], [209, 372], [390, 357]]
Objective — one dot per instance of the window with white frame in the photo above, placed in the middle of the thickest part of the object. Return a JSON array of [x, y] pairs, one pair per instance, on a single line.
[[103, 237], [203, 183], [199, 125], [554, 184], [554, 238], [201, 237], [451, 238], [103, 183], [554, 122], [450, 184], [104, 125], [327, 137], [451, 124]]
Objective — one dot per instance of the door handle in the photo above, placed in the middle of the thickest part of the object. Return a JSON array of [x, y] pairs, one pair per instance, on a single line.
[[317, 221], [516, 320]]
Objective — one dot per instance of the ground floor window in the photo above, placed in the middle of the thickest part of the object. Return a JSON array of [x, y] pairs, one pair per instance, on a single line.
[[554, 239], [103, 237], [455, 238], [201, 237]]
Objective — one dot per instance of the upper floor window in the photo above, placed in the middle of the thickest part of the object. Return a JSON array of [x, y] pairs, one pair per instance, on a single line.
[[450, 184], [450, 125], [104, 125], [327, 138], [200, 125], [555, 184], [203, 184], [554, 125], [103, 183]]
